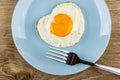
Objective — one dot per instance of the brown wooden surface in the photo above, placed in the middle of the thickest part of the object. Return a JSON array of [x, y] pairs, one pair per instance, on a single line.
[[13, 67]]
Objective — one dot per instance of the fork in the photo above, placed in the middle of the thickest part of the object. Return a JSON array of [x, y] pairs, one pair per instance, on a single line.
[[71, 58]]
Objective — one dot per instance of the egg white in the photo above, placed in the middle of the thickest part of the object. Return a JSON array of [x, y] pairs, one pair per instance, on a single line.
[[75, 13]]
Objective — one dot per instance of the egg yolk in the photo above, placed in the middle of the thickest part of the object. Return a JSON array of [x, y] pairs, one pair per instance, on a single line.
[[62, 25]]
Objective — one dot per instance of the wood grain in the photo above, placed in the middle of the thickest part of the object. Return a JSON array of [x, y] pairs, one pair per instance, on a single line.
[[13, 66]]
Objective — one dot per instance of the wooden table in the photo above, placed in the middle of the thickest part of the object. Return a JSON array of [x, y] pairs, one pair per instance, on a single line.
[[13, 66]]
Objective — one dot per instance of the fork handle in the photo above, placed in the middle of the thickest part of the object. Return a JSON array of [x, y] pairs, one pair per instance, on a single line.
[[103, 67], [109, 69]]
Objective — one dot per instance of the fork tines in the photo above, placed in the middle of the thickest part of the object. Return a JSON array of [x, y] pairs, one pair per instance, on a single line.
[[57, 54], [56, 49]]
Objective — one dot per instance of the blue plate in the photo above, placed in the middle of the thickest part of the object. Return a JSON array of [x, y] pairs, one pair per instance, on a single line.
[[33, 49]]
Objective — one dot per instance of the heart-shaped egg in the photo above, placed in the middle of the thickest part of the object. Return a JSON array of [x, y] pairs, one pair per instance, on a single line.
[[64, 27]]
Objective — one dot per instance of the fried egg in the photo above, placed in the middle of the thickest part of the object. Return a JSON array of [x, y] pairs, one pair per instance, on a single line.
[[64, 27]]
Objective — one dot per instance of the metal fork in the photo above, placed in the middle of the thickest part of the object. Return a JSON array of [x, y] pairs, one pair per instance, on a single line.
[[71, 58]]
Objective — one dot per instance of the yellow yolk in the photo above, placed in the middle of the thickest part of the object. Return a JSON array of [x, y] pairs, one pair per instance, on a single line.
[[62, 25]]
